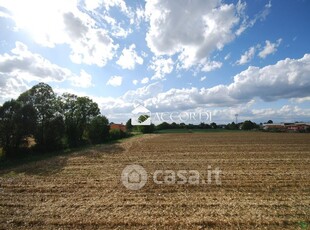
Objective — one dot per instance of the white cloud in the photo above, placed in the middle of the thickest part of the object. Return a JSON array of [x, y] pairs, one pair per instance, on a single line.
[[143, 93], [28, 66], [247, 56], [121, 4], [135, 82], [116, 28], [203, 78], [115, 81], [300, 100], [286, 79], [82, 81], [101, 11], [161, 66], [288, 113], [227, 56], [269, 48], [129, 58], [140, 16], [210, 66], [145, 80], [144, 54], [11, 87], [21, 67], [248, 23], [194, 30], [59, 22]]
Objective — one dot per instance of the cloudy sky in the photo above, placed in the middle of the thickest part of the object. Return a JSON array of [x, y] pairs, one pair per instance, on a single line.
[[247, 57]]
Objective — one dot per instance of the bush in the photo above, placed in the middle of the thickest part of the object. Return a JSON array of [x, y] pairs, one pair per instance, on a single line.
[[116, 134], [147, 128]]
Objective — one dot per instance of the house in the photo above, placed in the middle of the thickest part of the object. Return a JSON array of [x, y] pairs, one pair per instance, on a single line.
[[297, 127], [292, 127], [118, 127], [280, 127]]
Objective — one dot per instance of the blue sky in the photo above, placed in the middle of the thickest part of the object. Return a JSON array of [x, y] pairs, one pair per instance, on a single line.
[[226, 57]]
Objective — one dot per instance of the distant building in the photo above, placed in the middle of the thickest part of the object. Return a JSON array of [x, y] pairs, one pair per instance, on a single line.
[[118, 127], [274, 127], [298, 127], [293, 127]]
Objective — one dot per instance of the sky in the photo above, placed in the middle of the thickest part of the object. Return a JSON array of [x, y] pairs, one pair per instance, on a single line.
[[250, 58]]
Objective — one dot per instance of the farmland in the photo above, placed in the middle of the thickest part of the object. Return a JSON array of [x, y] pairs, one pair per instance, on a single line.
[[264, 184]]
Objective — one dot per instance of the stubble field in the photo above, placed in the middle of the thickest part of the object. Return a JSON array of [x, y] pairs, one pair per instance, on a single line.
[[265, 184]]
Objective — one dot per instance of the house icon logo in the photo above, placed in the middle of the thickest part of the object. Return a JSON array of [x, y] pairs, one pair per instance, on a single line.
[[140, 115], [134, 177]]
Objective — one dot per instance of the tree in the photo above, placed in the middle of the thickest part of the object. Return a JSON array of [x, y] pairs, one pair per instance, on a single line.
[[44, 100], [232, 126], [174, 125], [78, 112], [270, 122], [129, 126], [54, 134], [98, 130], [163, 125], [16, 122], [8, 114], [53, 121], [248, 125], [191, 126], [213, 125], [147, 128]]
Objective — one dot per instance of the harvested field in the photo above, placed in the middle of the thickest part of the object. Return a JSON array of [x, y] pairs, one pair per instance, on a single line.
[[264, 185]]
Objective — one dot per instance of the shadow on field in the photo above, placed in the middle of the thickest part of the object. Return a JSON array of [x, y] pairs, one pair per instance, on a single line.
[[99, 150], [52, 163]]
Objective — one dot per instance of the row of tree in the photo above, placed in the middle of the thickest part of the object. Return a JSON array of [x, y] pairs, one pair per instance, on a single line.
[[53, 122], [246, 125]]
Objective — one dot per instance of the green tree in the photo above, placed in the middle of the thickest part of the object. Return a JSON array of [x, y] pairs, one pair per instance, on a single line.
[[129, 126], [78, 112], [147, 128], [54, 134], [44, 100], [163, 125], [213, 125], [232, 126], [16, 122], [98, 130], [248, 125]]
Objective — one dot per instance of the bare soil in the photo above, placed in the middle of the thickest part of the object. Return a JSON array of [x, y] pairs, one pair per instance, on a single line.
[[265, 184]]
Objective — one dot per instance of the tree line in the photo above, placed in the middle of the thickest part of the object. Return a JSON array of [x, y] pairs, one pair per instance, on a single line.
[[41, 121], [52, 122], [246, 125]]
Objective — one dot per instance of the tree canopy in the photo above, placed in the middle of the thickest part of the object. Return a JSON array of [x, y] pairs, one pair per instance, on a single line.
[[53, 121]]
